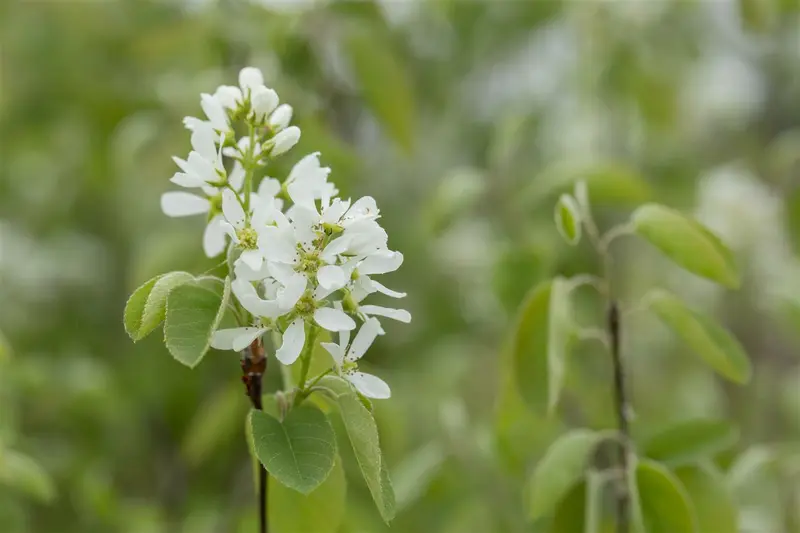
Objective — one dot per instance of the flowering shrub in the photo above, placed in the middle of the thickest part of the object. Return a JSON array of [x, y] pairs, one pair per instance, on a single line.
[[300, 261]]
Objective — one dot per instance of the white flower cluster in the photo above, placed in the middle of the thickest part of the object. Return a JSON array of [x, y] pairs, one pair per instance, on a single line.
[[305, 256]]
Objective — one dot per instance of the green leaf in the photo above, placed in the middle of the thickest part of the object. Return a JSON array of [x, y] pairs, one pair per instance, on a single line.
[[529, 345], [321, 511], [687, 242], [560, 469], [384, 83], [568, 219], [134, 308], [711, 500], [559, 338], [570, 511], [363, 434], [214, 423], [690, 440], [155, 308], [714, 344], [5, 349], [22, 473], [414, 474], [300, 451], [663, 504], [193, 314]]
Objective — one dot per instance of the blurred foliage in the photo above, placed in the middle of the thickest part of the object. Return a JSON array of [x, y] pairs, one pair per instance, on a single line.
[[465, 120]]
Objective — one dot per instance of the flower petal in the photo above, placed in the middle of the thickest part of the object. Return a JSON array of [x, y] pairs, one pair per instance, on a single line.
[[364, 339], [182, 204], [333, 319], [381, 263], [248, 297], [252, 258], [223, 339], [232, 209], [203, 141], [214, 237], [236, 177], [293, 340], [331, 277], [334, 248], [387, 291], [293, 290], [396, 314], [285, 139], [336, 351], [243, 341], [187, 180], [250, 78], [369, 385]]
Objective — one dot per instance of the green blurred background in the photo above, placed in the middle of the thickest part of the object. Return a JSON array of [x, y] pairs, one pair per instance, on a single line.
[[463, 119]]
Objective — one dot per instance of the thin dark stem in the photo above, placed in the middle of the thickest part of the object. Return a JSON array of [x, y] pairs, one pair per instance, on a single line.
[[254, 366], [621, 405]]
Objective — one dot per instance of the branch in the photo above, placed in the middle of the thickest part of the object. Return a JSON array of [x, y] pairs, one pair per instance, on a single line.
[[254, 366], [621, 404]]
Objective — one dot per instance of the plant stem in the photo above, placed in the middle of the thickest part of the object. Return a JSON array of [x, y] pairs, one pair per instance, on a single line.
[[622, 409], [254, 366], [305, 358]]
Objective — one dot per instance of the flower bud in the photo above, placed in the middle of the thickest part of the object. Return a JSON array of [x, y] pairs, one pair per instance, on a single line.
[[250, 78], [285, 140], [264, 101], [281, 117]]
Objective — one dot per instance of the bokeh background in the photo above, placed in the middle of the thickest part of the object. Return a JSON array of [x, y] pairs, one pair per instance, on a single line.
[[463, 119]]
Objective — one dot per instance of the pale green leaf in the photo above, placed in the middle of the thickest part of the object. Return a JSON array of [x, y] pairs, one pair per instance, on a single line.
[[691, 440], [711, 499], [193, 314], [687, 242], [710, 341], [215, 422], [321, 511], [384, 84], [155, 308], [662, 504], [415, 473], [568, 219], [134, 308], [300, 451], [559, 338], [560, 469], [529, 346], [363, 434], [24, 474], [570, 512]]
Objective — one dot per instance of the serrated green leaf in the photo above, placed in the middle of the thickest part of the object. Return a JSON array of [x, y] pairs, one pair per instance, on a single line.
[[560, 469], [687, 242], [24, 474], [568, 219], [134, 308], [559, 338], [529, 345], [714, 344], [321, 511], [300, 451], [691, 440], [711, 500], [384, 84], [193, 314], [155, 308], [662, 504], [363, 434]]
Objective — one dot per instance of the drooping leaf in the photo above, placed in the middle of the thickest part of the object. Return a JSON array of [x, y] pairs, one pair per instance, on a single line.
[[687, 242], [691, 440], [568, 219], [710, 341], [363, 434], [24, 474], [300, 451], [711, 499], [134, 308], [560, 469], [529, 345], [193, 314], [385, 85], [560, 329], [662, 504], [321, 511], [155, 308]]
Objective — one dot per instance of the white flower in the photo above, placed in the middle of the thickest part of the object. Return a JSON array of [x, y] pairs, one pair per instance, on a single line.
[[244, 235], [346, 360], [308, 181], [284, 140], [263, 101], [281, 117], [180, 204]]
